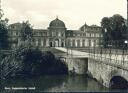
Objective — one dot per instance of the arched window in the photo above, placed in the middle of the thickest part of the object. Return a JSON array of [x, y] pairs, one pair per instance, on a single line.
[[50, 44], [73, 43], [62, 44], [78, 43], [56, 43], [83, 43]]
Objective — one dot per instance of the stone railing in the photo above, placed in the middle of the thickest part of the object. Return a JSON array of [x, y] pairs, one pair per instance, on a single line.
[[117, 60], [120, 61]]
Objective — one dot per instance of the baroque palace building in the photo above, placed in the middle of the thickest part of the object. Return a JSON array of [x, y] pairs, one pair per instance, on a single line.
[[57, 35]]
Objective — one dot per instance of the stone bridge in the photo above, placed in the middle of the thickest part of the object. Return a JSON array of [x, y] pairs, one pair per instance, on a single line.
[[105, 68]]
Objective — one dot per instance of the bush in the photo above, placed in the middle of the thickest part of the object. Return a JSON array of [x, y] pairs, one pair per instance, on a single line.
[[32, 62]]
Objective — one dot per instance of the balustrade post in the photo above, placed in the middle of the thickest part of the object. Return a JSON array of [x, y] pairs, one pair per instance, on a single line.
[[101, 53], [94, 50], [110, 53]]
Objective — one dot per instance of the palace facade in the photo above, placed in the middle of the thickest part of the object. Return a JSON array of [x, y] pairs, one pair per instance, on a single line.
[[57, 35]]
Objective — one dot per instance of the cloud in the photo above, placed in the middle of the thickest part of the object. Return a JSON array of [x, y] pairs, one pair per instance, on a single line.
[[73, 12]]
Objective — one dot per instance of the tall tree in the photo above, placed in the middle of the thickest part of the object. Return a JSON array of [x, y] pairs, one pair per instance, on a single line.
[[26, 32], [4, 44], [106, 22], [118, 27], [114, 28]]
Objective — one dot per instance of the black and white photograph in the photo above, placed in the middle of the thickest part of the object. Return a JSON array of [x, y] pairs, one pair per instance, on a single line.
[[63, 46]]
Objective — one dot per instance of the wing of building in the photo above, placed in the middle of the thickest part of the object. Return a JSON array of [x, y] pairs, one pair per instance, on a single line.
[[57, 35]]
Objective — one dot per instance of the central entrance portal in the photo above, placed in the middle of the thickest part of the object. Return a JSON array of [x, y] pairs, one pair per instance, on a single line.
[[56, 43]]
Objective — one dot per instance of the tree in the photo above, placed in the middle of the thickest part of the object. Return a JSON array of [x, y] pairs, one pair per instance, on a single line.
[[26, 32], [118, 27], [31, 62], [3, 33], [106, 30], [114, 28]]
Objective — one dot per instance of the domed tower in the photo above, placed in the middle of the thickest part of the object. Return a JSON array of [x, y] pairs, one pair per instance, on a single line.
[[57, 31]]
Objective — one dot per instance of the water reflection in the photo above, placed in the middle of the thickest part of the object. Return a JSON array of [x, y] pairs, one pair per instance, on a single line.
[[78, 84], [62, 83]]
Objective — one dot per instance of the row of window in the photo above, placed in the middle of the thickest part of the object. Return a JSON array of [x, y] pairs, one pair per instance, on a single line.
[[92, 29], [16, 33], [69, 43], [60, 34], [82, 43], [41, 34], [86, 34]]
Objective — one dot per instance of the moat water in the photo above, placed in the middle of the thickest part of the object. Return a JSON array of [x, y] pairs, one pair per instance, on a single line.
[[63, 83]]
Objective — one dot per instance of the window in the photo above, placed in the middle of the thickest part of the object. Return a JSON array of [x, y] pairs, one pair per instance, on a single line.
[[37, 33], [62, 34], [11, 33], [45, 33], [52, 33], [90, 35], [84, 34], [13, 27], [42, 43], [16, 33], [86, 29], [59, 34], [50, 44], [41, 34], [93, 34], [36, 42], [73, 43], [39, 42], [78, 43], [83, 43], [69, 41], [34, 33], [78, 34], [87, 35], [97, 35]]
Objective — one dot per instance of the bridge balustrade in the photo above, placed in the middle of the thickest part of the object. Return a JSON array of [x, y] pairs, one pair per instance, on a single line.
[[115, 55], [114, 58]]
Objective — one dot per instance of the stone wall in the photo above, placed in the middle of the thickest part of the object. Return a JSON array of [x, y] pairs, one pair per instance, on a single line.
[[103, 73], [77, 65]]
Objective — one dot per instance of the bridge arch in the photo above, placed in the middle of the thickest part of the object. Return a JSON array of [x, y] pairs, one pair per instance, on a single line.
[[118, 82], [117, 79]]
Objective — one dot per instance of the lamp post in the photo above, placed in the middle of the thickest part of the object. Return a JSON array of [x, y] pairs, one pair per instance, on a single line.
[[66, 45], [124, 48], [126, 42]]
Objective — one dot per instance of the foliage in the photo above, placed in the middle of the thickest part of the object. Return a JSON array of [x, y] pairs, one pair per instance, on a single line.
[[37, 63], [26, 31], [3, 34], [31, 62], [114, 29]]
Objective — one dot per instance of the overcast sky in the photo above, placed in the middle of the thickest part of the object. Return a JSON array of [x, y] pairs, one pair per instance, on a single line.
[[74, 13]]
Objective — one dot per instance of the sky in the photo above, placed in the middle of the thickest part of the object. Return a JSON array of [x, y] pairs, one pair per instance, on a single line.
[[74, 13]]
